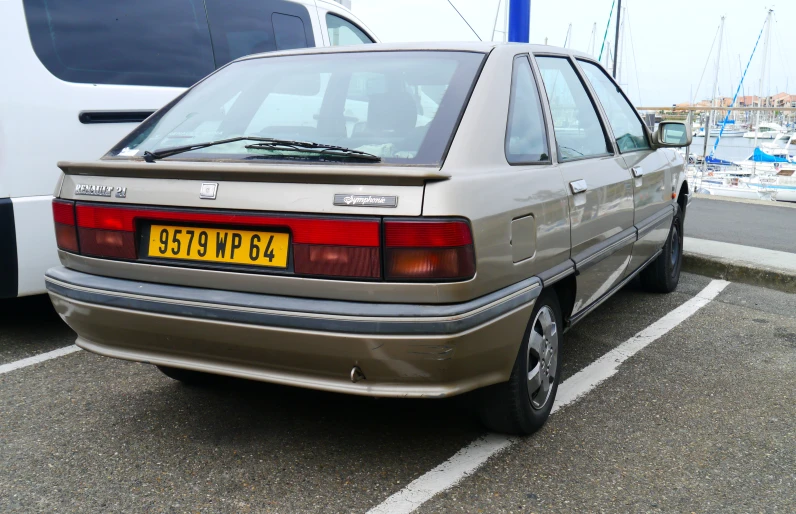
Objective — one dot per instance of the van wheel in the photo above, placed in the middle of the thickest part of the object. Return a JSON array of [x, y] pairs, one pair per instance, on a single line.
[[189, 377], [523, 404], [663, 274]]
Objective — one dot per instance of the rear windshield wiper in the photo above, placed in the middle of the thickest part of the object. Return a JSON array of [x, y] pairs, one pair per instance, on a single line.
[[265, 143], [307, 146], [168, 152]]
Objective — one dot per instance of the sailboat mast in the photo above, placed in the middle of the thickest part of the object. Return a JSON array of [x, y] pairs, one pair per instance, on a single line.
[[713, 100], [763, 71], [620, 47], [594, 39], [616, 38]]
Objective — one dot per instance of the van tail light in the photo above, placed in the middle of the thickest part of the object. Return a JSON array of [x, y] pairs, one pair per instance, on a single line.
[[65, 230], [428, 250]]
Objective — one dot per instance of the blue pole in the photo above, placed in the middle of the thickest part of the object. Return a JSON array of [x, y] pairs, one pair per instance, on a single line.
[[520, 21]]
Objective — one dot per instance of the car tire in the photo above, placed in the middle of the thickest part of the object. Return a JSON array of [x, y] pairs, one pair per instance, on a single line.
[[663, 274], [522, 405], [189, 377]]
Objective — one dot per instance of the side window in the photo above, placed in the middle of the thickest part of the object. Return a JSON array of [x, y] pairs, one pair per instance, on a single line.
[[148, 43], [244, 27], [342, 32], [289, 32], [242, 30], [577, 126], [627, 128], [526, 137]]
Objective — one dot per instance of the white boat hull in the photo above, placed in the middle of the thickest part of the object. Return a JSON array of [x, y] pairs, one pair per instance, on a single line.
[[761, 135], [740, 192]]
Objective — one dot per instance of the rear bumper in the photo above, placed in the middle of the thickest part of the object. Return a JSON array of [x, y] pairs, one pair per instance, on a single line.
[[403, 350]]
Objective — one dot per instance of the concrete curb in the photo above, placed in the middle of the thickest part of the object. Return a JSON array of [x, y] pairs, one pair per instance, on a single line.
[[737, 263], [764, 203]]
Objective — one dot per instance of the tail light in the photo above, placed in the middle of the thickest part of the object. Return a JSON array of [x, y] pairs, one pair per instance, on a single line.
[[321, 247], [428, 250], [343, 248], [65, 230], [106, 232]]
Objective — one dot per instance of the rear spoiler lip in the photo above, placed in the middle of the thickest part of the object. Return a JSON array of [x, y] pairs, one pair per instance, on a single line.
[[256, 172]]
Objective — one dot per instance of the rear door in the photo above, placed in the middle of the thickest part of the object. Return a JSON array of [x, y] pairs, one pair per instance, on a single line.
[[600, 186], [651, 170]]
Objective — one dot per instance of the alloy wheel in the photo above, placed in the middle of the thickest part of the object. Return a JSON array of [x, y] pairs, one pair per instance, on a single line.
[[675, 255], [542, 357]]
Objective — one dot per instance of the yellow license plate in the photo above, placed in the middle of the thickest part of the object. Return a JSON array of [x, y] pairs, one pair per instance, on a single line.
[[252, 248]]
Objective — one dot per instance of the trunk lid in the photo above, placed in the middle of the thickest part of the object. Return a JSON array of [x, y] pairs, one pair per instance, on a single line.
[[304, 189]]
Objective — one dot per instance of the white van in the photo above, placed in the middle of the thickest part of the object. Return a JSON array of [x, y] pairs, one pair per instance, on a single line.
[[77, 75]]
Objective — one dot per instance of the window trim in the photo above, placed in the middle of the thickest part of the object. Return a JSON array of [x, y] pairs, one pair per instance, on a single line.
[[607, 133], [534, 77], [347, 20], [646, 130]]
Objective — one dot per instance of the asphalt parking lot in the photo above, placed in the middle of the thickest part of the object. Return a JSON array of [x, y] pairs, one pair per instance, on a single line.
[[701, 420]]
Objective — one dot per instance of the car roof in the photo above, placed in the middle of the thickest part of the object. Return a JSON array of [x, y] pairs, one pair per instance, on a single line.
[[462, 46]]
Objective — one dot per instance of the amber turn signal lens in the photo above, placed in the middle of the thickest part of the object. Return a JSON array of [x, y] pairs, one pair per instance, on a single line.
[[430, 263]]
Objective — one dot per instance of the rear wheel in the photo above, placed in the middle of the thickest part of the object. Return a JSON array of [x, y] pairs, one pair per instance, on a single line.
[[663, 274], [188, 376], [523, 404]]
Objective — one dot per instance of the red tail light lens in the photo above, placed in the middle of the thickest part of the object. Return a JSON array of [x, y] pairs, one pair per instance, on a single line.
[[337, 261], [65, 231], [342, 248], [428, 250], [321, 247], [112, 244], [107, 232]]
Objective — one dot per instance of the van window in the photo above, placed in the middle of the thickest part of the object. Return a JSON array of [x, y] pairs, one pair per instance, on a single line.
[[289, 32], [148, 42], [342, 32], [243, 27], [157, 43]]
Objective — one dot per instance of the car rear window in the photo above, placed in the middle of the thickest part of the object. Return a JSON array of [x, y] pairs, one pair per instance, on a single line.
[[156, 43], [400, 106]]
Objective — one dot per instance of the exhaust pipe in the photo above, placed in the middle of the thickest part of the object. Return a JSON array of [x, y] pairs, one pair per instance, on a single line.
[[356, 374]]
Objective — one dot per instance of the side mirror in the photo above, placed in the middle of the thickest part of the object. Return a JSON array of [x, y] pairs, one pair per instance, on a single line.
[[672, 134]]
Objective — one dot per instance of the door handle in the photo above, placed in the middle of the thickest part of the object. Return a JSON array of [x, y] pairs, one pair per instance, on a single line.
[[578, 186], [638, 171]]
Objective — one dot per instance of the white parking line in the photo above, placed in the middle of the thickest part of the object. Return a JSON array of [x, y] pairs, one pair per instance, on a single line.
[[30, 361], [467, 460]]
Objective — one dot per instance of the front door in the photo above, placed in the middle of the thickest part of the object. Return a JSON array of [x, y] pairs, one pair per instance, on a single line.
[[651, 170], [600, 186]]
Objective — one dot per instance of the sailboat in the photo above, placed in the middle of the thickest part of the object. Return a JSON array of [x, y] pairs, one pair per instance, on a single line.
[[763, 175], [765, 131], [727, 129]]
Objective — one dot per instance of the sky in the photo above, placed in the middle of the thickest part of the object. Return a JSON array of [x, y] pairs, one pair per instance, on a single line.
[[666, 49]]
